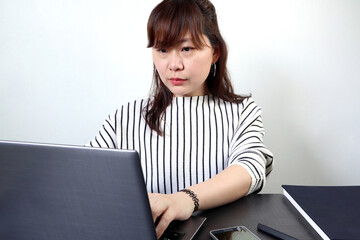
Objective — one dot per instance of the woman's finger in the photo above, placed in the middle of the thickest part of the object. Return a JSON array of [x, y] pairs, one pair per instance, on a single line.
[[166, 218]]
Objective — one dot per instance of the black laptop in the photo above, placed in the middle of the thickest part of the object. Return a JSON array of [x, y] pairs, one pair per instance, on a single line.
[[55, 192]]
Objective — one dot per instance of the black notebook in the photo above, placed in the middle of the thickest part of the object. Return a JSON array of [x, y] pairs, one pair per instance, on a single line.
[[333, 211]]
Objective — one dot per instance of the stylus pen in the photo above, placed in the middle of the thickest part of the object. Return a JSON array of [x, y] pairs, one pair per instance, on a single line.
[[274, 233]]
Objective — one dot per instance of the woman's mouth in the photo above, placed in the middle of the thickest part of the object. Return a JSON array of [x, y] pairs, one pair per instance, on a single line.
[[177, 81]]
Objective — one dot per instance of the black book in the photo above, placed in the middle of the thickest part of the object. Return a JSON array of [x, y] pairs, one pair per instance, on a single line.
[[333, 211]]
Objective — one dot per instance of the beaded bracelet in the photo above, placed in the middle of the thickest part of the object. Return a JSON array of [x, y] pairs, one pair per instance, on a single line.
[[193, 197]]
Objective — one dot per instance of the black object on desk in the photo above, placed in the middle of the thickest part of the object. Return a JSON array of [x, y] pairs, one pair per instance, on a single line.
[[183, 230], [333, 211], [274, 232]]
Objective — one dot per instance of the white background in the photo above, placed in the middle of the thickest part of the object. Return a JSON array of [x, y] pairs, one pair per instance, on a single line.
[[65, 65]]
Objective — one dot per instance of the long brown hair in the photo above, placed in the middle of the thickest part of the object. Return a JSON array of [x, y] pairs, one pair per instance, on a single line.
[[169, 21]]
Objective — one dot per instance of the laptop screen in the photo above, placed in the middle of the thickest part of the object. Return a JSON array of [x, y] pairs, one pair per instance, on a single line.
[[67, 192]]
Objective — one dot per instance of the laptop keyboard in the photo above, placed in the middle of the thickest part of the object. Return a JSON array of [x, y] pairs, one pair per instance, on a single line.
[[171, 235]]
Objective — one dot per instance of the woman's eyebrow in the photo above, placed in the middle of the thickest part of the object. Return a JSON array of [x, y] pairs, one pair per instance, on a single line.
[[188, 39]]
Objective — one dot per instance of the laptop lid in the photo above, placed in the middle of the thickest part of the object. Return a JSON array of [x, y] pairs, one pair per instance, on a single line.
[[67, 192]]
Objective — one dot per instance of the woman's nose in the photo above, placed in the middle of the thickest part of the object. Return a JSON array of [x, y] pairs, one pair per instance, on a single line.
[[176, 62]]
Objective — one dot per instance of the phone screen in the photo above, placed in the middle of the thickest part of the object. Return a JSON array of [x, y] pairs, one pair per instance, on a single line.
[[234, 233]]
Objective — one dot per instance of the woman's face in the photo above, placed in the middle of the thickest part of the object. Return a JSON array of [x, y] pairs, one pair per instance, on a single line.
[[183, 68]]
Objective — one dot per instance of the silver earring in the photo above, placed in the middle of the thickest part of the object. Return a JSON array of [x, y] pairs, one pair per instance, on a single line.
[[214, 70]]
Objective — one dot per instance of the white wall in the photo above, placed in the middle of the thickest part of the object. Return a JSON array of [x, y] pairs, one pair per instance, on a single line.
[[65, 65]]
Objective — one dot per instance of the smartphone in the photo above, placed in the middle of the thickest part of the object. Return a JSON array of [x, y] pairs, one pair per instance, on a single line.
[[233, 233]]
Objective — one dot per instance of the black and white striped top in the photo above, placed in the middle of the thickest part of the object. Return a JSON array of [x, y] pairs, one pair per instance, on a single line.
[[202, 136]]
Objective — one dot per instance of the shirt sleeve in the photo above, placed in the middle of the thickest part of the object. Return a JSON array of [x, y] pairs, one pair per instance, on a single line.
[[106, 138], [247, 148]]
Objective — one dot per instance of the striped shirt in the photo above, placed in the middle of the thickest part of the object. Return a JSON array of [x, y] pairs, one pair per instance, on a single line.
[[202, 136]]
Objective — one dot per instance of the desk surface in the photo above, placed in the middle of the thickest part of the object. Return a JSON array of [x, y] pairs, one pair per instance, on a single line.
[[273, 210]]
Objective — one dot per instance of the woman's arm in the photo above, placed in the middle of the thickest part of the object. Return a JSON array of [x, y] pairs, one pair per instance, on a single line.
[[227, 186], [106, 138]]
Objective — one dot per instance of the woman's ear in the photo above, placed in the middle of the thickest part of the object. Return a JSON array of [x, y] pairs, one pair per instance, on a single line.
[[216, 54]]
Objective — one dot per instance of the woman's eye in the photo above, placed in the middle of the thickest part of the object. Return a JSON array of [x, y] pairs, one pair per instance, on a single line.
[[187, 49], [162, 50]]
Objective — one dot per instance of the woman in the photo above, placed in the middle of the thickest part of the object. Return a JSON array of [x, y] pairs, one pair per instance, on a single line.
[[200, 144]]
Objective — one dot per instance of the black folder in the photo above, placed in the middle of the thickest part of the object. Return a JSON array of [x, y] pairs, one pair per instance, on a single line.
[[333, 211]]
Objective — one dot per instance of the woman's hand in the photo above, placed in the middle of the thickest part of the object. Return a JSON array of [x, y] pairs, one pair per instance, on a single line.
[[169, 207], [227, 186]]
